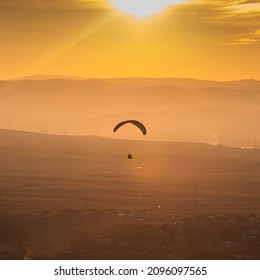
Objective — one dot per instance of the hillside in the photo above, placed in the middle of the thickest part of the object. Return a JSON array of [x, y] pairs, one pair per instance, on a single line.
[[40, 172]]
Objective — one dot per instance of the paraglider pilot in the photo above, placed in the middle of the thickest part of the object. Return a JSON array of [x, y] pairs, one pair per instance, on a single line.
[[134, 122]]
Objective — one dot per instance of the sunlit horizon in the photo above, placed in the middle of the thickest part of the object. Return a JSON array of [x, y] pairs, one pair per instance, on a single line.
[[191, 39]]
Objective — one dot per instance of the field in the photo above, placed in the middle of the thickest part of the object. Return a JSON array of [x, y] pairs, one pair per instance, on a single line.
[[48, 173]]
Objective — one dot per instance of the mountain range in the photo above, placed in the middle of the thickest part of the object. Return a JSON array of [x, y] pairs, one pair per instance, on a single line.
[[172, 109]]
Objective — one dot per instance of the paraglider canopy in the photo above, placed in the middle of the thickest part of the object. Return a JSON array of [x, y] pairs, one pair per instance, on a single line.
[[134, 122]]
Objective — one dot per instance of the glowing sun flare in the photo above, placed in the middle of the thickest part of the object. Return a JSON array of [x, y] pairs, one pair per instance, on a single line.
[[143, 8]]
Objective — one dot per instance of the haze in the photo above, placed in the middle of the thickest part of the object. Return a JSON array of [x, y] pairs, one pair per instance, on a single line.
[[71, 188], [187, 110]]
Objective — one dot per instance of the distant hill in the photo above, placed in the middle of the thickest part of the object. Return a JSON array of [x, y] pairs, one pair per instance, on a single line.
[[22, 148], [15, 141], [173, 109], [141, 81], [189, 83]]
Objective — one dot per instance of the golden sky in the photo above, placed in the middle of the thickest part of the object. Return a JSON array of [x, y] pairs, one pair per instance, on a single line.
[[214, 39]]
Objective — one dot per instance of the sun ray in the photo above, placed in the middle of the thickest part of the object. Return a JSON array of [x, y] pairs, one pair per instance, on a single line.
[[72, 43]]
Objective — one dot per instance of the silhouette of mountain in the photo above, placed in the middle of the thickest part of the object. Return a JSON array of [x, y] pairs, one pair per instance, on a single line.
[[174, 109]]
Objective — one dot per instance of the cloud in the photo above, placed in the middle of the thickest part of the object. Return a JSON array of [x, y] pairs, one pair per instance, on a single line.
[[247, 38], [236, 22], [51, 4], [245, 18], [248, 2]]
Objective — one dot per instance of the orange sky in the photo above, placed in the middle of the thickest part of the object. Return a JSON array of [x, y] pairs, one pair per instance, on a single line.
[[215, 39]]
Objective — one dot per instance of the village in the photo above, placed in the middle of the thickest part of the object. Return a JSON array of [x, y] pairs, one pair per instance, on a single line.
[[129, 234]]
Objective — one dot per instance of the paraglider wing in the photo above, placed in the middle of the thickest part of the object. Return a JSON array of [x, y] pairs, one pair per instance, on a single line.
[[136, 123]]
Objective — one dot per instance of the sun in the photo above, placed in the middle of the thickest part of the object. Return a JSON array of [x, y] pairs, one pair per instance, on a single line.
[[143, 8]]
